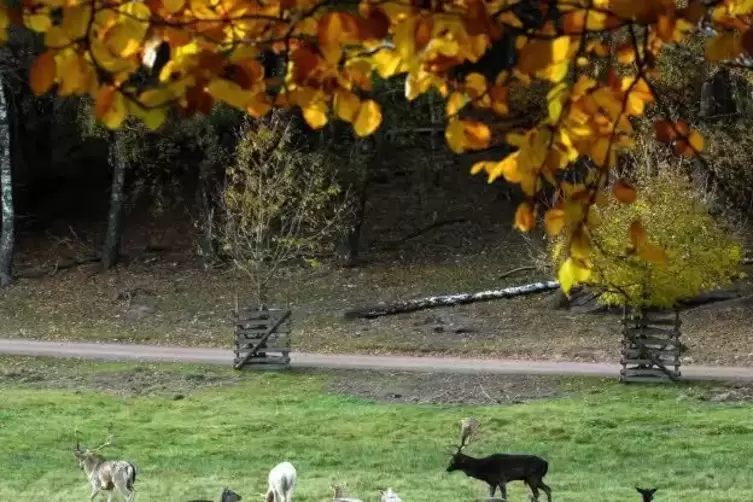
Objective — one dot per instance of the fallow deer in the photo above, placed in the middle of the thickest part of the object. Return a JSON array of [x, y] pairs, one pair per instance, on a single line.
[[500, 468], [646, 493], [108, 475], [338, 493], [389, 495], [282, 479]]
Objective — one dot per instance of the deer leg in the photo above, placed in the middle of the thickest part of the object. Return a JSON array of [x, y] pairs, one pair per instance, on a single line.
[[534, 490], [503, 490], [95, 490], [546, 489]]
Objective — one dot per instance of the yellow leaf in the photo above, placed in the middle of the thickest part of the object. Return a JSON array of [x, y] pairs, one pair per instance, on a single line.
[[315, 114], [572, 272], [404, 37], [173, 6], [455, 103], [475, 85], [368, 119], [524, 217], [110, 107], [346, 104], [76, 20], [42, 73], [464, 135], [69, 72], [507, 167], [122, 40], [556, 98], [152, 118], [554, 221], [229, 92], [38, 22], [696, 141], [580, 244], [386, 62], [723, 46]]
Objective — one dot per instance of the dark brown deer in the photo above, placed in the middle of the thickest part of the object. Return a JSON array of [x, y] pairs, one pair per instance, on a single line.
[[227, 495], [500, 468], [647, 493]]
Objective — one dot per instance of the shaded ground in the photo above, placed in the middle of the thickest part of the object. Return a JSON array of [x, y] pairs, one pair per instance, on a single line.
[[163, 294]]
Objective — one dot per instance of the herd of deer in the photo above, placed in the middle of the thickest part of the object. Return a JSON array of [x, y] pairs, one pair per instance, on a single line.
[[495, 470]]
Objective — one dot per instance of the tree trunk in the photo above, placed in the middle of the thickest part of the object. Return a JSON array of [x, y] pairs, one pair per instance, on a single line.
[[111, 248], [405, 306], [7, 237]]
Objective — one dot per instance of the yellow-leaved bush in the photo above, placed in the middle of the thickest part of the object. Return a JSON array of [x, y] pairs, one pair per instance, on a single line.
[[702, 254]]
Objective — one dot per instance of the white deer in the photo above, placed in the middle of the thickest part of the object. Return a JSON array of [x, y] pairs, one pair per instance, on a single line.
[[282, 479]]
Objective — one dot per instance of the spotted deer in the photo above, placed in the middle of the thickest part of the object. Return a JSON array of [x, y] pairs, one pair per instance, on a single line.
[[108, 475]]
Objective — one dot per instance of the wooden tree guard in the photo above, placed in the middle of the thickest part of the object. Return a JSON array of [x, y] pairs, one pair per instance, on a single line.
[[650, 346], [262, 338]]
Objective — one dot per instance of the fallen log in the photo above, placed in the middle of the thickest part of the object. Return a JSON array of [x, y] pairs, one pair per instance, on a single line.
[[405, 306]]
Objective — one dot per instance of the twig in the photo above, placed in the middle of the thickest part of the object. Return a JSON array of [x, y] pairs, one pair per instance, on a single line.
[[440, 223], [516, 270]]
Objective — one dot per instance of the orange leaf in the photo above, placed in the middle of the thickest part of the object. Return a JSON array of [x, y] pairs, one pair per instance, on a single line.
[[664, 131], [554, 220], [624, 191], [375, 26], [652, 253], [723, 47], [638, 234], [690, 146], [747, 41], [524, 218], [42, 73]]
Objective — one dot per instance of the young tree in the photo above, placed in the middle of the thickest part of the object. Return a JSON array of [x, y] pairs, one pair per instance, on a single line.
[[702, 253], [593, 61], [280, 203]]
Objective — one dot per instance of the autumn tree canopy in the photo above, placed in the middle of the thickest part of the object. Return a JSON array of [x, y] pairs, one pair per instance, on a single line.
[[597, 58]]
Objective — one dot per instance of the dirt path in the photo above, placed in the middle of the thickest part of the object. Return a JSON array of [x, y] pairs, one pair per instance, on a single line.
[[132, 352]]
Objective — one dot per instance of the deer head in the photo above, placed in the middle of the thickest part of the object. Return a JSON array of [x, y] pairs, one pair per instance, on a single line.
[[338, 490], [83, 455], [229, 495], [647, 493], [468, 427]]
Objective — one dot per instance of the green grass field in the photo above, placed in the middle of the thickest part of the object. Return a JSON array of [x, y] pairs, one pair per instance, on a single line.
[[600, 438]]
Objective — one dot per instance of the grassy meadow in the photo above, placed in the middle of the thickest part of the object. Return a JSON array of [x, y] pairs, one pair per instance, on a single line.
[[208, 428]]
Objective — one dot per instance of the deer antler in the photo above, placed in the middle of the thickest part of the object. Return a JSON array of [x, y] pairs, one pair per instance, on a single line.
[[78, 438], [108, 441], [468, 427]]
